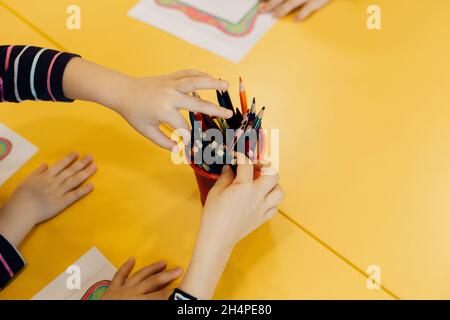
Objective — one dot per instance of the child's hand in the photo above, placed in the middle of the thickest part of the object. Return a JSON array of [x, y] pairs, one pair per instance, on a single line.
[[152, 101], [145, 103], [281, 8], [237, 206], [44, 194], [149, 283], [234, 208]]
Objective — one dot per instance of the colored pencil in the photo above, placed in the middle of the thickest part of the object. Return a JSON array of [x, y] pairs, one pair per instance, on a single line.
[[243, 96], [258, 119], [244, 122]]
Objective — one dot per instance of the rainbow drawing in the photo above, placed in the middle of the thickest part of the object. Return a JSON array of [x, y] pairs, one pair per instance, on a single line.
[[5, 148], [240, 29], [96, 291]]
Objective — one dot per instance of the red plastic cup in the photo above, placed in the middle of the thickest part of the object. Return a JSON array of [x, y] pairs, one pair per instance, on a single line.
[[206, 180]]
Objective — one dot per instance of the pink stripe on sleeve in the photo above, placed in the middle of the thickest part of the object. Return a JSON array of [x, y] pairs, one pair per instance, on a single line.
[[1, 90], [5, 264], [8, 55], [49, 74]]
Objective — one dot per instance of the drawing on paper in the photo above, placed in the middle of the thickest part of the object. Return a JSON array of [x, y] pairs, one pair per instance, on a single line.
[[96, 291], [240, 29], [5, 148], [96, 274]]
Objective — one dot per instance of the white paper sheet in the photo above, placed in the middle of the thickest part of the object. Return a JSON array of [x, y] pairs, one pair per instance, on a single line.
[[231, 10], [205, 35], [96, 272], [15, 151]]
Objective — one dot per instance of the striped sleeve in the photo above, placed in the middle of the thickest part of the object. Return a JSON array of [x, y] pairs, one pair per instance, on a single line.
[[11, 262], [32, 73]]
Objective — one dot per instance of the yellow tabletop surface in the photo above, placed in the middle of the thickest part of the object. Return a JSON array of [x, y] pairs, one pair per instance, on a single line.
[[363, 119]]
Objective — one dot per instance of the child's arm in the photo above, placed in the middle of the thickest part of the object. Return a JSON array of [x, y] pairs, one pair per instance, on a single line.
[[32, 73], [281, 8], [44, 194], [234, 208]]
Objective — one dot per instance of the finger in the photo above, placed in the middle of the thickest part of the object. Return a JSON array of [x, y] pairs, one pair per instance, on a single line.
[[42, 168], [79, 178], [274, 197], [74, 168], [77, 194], [270, 5], [287, 7], [225, 179], [267, 182], [189, 85], [309, 9], [198, 105], [269, 214], [244, 169], [63, 163], [122, 274], [178, 123], [188, 73], [146, 272], [158, 137], [159, 280], [262, 164]]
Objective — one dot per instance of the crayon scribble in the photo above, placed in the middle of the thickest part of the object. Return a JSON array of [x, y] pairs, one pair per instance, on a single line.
[[5, 148], [240, 29], [96, 291]]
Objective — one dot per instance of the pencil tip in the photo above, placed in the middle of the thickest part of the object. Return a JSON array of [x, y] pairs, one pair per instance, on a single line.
[[240, 79], [263, 108], [254, 100]]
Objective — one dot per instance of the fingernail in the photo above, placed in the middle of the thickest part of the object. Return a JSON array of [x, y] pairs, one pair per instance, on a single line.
[[178, 271], [300, 17], [225, 168]]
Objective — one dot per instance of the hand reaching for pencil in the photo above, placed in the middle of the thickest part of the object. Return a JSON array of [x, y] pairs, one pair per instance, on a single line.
[[281, 8], [148, 102], [235, 207], [157, 100]]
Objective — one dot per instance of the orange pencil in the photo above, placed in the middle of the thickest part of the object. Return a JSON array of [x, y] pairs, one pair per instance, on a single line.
[[243, 96]]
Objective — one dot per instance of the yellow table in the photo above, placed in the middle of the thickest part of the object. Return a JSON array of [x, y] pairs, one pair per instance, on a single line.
[[364, 130]]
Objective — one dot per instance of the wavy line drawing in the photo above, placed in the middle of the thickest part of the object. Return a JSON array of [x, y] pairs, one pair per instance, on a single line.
[[5, 148], [96, 291], [240, 29]]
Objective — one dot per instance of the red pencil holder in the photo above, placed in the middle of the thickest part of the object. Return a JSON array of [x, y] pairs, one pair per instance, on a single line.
[[206, 180]]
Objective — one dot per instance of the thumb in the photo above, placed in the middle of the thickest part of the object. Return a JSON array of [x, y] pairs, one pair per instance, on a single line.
[[225, 179]]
